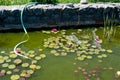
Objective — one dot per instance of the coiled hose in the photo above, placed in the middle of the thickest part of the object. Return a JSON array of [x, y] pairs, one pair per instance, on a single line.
[[23, 26]]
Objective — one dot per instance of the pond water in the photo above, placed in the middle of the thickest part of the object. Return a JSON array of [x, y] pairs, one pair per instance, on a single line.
[[63, 62]]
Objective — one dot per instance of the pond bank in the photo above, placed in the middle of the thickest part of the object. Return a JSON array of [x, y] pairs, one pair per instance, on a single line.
[[53, 15]]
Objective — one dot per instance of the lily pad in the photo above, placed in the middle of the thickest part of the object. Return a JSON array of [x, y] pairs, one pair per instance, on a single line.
[[15, 77], [37, 57], [12, 66], [3, 71], [34, 61], [25, 65], [5, 57], [42, 55], [5, 65], [9, 72], [109, 51], [89, 57], [27, 75], [8, 60], [80, 58], [30, 71], [17, 61], [1, 61], [38, 67], [13, 55], [16, 70], [32, 66]]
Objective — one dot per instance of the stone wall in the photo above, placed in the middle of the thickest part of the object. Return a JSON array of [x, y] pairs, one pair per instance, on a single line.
[[43, 15]]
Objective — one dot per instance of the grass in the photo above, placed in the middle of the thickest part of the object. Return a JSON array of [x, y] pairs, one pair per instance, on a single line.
[[57, 68], [16, 2]]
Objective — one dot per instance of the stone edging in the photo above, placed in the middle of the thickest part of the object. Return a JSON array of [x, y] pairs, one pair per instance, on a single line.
[[49, 15]]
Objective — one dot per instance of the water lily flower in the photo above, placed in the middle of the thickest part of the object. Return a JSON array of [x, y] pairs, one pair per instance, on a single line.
[[54, 30], [18, 51]]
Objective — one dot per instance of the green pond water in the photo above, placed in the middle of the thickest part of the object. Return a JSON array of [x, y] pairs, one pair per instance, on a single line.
[[64, 67]]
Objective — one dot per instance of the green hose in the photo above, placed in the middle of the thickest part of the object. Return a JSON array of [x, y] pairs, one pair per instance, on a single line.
[[23, 26]]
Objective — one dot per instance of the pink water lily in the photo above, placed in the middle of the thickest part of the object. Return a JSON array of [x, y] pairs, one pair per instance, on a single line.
[[54, 30], [18, 51]]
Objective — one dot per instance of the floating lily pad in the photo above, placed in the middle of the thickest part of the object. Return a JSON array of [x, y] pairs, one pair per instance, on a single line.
[[27, 75], [25, 65], [32, 66], [99, 56], [30, 71], [38, 67], [104, 55], [109, 51], [15, 77], [9, 72], [22, 74], [16, 70], [12, 66], [42, 55], [8, 60], [5, 65], [56, 54], [32, 55], [37, 57], [80, 58], [34, 61], [3, 71], [17, 61], [13, 55], [1, 61], [89, 57], [5, 57]]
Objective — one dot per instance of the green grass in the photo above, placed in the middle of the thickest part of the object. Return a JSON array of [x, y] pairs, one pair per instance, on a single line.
[[16, 2], [62, 68]]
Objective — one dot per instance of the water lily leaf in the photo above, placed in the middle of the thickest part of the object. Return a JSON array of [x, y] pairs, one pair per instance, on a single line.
[[22, 74], [34, 61], [5, 57], [3, 71], [5, 65], [16, 70], [13, 55], [32, 66], [17, 61], [37, 57], [42, 55], [30, 71], [80, 58], [38, 67], [31, 51], [89, 57], [1, 61], [99, 56], [27, 75], [12, 66], [104, 55], [2, 52], [63, 54], [56, 54], [40, 49], [109, 51], [9, 72], [8, 60], [1, 57], [25, 65], [32, 55], [15, 77]]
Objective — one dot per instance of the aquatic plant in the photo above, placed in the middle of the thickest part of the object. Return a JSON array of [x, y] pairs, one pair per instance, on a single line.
[[83, 47], [109, 27]]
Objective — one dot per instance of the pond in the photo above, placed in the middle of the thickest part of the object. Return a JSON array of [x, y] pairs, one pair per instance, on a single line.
[[65, 54]]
